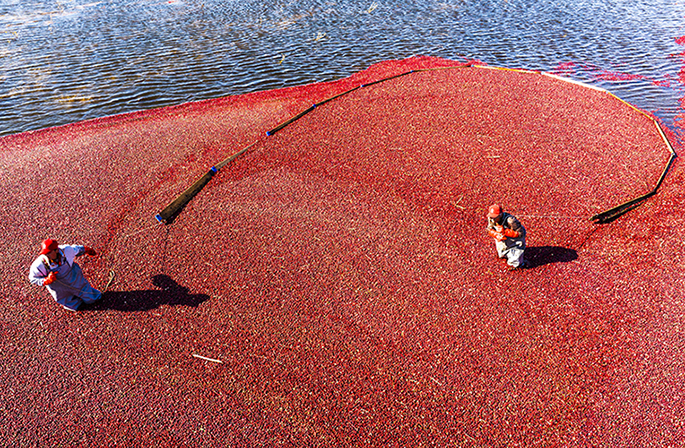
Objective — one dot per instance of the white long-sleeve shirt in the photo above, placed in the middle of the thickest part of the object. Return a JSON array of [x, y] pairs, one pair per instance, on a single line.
[[70, 288]]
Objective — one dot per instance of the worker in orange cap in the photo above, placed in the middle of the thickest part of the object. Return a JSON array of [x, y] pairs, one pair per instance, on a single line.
[[509, 234], [56, 269]]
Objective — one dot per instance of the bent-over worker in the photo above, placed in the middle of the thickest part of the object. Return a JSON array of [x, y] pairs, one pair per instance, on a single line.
[[57, 270], [509, 234]]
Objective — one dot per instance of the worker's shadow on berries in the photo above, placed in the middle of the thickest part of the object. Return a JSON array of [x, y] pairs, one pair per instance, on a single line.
[[542, 255], [170, 293]]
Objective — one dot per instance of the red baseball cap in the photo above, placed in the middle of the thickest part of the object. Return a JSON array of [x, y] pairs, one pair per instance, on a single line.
[[494, 211], [48, 246]]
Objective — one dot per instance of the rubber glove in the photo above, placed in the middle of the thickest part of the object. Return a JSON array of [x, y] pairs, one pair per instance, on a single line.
[[511, 233], [496, 235], [49, 279]]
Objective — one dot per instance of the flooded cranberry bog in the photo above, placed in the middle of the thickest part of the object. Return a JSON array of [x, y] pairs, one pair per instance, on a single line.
[[333, 283]]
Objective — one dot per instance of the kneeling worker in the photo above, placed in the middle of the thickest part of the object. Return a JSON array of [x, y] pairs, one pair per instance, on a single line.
[[509, 234], [56, 269]]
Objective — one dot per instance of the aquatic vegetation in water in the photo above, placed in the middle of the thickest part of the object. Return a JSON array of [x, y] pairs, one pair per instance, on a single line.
[[320, 36], [372, 8]]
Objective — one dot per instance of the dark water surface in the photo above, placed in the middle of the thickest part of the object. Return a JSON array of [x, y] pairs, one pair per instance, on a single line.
[[70, 60]]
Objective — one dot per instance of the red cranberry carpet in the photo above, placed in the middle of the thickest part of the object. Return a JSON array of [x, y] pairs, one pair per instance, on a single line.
[[335, 286]]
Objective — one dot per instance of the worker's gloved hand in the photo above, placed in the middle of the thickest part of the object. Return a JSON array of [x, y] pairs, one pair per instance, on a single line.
[[89, 251], [497, 235], [511, 233], [49, 279]]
